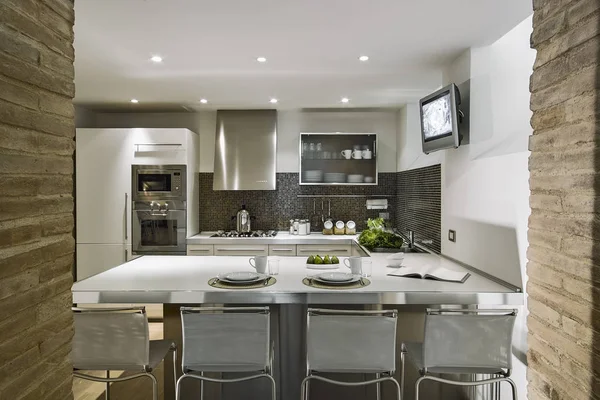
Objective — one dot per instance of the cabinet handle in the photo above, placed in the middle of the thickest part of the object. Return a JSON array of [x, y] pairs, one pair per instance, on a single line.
[[282, 249], [203, 250], [239, 249], [126, 219], [315, 250], [126, 255]]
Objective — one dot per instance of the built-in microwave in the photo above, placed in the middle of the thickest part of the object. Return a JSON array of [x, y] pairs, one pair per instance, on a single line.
[[158, 182]]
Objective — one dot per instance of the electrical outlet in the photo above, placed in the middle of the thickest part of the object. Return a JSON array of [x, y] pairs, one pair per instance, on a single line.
[[385, 216], [452, 235]]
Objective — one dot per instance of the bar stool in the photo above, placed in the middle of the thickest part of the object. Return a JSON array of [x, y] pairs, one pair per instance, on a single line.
[[351, 341], [465, 342], [117, 339], [226, 339]]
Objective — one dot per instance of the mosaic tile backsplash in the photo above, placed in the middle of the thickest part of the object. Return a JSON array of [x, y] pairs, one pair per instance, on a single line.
[[273, 209], [419, 204]]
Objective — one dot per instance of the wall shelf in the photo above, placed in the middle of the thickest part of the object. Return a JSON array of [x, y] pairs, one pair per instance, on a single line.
[[323, 159]]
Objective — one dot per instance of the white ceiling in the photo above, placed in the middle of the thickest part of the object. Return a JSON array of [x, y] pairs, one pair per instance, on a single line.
[[312, 46]]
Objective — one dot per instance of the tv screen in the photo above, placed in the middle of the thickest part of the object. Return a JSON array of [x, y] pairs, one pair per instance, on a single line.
[[439, 119]]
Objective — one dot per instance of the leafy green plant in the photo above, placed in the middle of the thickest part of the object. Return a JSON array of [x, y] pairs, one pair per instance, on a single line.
[[376, 236]]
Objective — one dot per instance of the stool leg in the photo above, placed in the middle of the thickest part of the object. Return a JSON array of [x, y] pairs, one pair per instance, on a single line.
[[377, 376], [154, 386], [514, 388], [421, 379], [202, 387], [107, 394]]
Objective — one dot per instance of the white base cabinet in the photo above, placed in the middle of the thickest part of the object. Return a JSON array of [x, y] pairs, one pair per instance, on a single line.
[[95, 258]]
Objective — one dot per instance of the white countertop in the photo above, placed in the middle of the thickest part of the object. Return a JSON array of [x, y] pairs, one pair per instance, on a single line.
[[281, 237], [183, 279]]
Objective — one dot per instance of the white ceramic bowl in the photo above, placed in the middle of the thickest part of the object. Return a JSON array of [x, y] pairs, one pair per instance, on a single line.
[[395, 260]]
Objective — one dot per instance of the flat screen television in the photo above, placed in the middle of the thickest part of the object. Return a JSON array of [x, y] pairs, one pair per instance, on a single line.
[[440, 119]]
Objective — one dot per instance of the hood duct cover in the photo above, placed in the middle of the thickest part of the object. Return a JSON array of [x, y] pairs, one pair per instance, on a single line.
[[245, 150]]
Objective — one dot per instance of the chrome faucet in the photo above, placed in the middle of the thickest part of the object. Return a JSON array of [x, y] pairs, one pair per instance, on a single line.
[[411, 239]]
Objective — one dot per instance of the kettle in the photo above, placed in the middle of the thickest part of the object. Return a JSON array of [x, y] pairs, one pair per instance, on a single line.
[[243, 220]]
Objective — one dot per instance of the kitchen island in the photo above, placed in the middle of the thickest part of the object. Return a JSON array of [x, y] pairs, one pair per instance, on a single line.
[[179, 280]]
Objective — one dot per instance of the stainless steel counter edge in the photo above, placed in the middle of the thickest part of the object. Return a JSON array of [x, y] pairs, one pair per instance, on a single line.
[[264, 297]]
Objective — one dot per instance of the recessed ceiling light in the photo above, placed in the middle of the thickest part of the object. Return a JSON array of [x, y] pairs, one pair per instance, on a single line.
[[345, 100], [135, 101], [156, 59], [203, 101], [273, 101], [261, 59], [363, 58]]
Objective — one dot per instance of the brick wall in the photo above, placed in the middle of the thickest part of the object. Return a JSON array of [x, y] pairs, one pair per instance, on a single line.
[[36, 198], [564, 235]]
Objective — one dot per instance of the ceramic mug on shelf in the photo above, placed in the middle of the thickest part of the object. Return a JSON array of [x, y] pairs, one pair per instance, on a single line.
[[355, 264], [346, 154], [357, 154], [367, 154], [260, 263]]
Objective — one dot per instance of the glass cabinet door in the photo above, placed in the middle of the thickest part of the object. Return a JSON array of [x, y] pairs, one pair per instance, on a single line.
[[338, 159]]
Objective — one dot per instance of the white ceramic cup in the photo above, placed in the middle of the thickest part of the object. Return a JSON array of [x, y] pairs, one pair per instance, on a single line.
[[346, 154], [367, 154], [260, 264], [355, 264], [357, 154]]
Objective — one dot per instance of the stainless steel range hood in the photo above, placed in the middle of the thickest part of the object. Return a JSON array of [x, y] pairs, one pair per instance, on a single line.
[[245, 150]]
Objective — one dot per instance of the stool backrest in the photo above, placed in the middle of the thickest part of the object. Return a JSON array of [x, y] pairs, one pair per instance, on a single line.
[[346, 341], [468, 340], [225, 338], [110, 339]]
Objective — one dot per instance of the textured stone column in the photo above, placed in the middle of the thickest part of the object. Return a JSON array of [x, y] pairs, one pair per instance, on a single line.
[[564, 228], [36, 198]]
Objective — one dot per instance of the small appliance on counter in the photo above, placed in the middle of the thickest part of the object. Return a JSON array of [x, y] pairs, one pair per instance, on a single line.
[[299, 227], [242, 219]]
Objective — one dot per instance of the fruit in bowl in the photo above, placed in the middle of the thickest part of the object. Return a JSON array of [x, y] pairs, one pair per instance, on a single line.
[[317, 259]]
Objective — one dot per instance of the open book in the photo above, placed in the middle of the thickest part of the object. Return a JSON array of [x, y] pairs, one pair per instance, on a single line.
[[431, 272]]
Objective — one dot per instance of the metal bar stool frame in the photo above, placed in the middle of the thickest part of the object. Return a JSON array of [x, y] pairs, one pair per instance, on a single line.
[[146, 369], [379, 376], [266, 373], [503, 375]]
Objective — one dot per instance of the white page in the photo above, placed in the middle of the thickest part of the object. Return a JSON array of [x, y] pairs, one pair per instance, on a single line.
[[447, 274]]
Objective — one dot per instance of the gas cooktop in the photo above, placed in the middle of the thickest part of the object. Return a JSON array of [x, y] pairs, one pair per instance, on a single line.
[[252, 234]]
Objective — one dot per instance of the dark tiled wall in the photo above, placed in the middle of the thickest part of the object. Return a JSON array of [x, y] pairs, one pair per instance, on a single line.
[[419, 204], [274, 208]]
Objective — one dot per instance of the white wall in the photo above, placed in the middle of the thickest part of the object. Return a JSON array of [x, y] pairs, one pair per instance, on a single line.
[[290, 124], [485, 187]]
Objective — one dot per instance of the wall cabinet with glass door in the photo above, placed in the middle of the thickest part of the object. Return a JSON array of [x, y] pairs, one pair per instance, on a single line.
[[338, 159]]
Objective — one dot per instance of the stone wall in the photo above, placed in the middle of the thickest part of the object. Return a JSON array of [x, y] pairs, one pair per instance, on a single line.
[[36, 198], [564, 235]]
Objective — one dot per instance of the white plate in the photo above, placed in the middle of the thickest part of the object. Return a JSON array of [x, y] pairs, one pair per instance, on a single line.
[[241, 277], [354, 278], [334, 277]]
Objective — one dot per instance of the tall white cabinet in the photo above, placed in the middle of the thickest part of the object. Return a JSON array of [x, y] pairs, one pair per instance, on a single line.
[[103, 188]]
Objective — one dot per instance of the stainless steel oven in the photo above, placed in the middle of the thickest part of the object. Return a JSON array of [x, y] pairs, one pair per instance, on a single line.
[[158, 182], [159, 227]]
